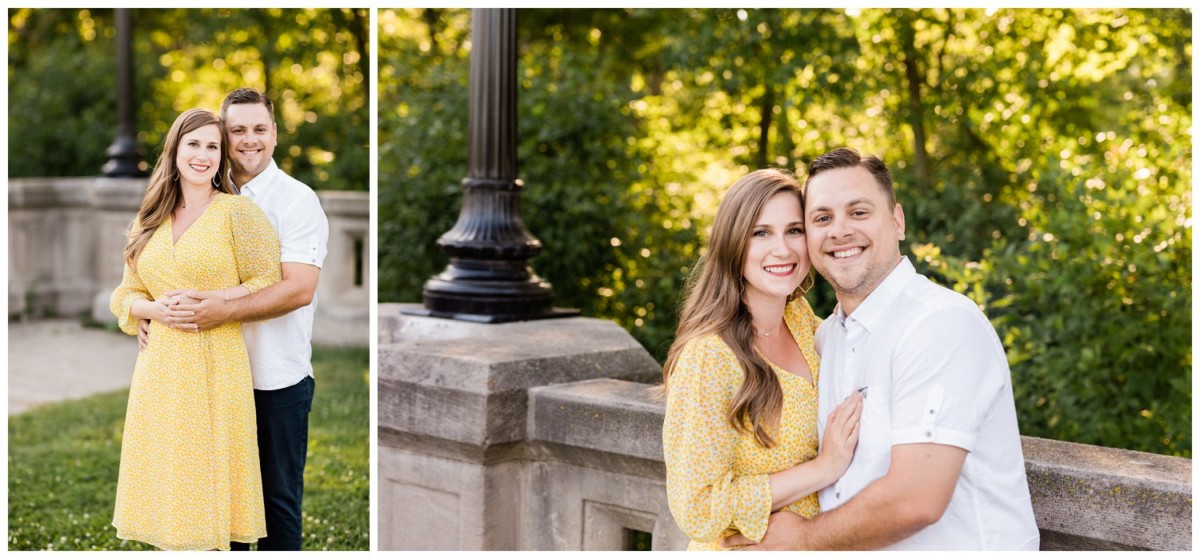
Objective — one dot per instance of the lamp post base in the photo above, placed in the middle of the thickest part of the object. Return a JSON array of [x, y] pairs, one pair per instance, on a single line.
[[488, 300], [554, 312]]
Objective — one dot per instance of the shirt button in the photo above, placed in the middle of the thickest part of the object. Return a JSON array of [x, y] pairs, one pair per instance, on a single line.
[[929, 434], [838, 495]]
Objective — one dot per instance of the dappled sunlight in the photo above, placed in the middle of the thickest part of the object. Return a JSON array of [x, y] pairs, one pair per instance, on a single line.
[[308, 60], [1042, 158]]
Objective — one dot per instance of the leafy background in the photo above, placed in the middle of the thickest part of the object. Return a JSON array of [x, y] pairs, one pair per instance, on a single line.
[[1043, 158], [313, 63], [62, 116]]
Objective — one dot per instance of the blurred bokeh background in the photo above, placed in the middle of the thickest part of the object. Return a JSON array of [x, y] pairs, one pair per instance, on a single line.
[[1043, 158], [313, 63]]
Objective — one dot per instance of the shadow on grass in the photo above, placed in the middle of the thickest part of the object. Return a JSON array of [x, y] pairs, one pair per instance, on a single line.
[[63, 461]]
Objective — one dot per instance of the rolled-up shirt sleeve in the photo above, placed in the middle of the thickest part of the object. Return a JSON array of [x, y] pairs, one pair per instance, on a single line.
[[950, 371], [304, 232], [706, 496]]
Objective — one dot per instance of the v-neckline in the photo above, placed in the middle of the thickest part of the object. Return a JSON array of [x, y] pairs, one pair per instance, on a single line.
[[811, 379], [171, 222]]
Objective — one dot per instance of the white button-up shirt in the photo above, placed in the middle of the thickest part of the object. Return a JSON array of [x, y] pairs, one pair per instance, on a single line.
[[933, 371], [281, 348]]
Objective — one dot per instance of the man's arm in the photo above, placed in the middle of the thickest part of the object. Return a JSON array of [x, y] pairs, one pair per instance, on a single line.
[[914, 494], [295, 290]]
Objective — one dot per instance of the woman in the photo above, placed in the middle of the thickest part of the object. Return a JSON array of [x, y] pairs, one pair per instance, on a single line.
[[740, 434], [189, 477]]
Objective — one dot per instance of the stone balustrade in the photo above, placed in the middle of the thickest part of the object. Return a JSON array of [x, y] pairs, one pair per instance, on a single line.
[[66, 236], [544, 436]]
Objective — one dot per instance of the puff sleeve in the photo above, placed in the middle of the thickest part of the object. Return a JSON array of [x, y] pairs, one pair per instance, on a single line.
[[123, 297], [706, 497], [255, 245]]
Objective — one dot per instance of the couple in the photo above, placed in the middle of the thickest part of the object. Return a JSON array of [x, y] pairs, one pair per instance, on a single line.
[[906, 385], [217, 420]]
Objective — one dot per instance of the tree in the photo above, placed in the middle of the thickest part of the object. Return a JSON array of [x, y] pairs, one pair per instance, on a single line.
[[311, 62], [1042, 158]]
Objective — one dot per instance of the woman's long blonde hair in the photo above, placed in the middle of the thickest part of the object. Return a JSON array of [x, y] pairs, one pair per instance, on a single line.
[[164, 194], [713, 302]]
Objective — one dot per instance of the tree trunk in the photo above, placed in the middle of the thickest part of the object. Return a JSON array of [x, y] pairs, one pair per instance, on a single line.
[[362, 39], [916, 111], [767, 111]]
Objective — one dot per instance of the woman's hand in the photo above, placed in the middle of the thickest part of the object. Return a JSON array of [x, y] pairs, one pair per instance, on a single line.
[[164, 310], [160, 310], [841, 436]]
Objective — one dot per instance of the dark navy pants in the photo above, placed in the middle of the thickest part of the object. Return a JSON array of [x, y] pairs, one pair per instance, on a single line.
[[282, 448]]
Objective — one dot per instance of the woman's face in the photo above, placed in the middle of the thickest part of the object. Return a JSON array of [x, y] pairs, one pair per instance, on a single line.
[[199, 155], [777, 254]]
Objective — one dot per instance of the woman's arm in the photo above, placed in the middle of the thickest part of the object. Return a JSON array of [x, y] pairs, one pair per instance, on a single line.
[[802, 480], [125, 297], [705, 496], [160, 311], [255, 248], [227, 294]]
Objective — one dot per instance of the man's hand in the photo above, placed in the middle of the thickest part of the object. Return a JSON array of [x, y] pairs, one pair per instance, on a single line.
[[143, 334], [180, 297], [785, 530], [210, 310]]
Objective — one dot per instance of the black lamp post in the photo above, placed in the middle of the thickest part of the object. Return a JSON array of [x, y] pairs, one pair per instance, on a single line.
[[124, 157], [488, 279]]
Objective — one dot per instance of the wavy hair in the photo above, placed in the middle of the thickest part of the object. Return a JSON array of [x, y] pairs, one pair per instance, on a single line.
[[164, 194], [713, 303]]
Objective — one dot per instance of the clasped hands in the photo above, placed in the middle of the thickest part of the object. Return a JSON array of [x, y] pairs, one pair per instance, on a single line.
[[785, 531], [187, 310]]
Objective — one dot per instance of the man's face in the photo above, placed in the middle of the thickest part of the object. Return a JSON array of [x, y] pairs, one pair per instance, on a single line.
[[853, 236], [251, 137]]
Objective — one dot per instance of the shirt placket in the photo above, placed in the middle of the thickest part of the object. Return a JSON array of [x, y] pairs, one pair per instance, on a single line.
[[852, 378]]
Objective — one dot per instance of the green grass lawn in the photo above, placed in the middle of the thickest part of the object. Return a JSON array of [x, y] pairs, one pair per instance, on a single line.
[[63, 460]]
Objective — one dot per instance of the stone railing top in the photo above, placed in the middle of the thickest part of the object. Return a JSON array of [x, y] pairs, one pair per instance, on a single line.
[[1085, 497], [441, 352], [69, 192], [347, 203]]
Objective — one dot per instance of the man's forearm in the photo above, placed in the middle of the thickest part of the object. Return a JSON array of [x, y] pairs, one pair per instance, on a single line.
[[914, 494], [879, 516], [269, 302]]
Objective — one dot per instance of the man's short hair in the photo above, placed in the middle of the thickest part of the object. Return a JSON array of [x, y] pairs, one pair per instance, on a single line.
[[248, 95], [842, 158]]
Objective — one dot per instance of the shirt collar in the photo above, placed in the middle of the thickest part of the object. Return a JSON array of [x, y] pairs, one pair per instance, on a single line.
[[258, 181], [872, 308]]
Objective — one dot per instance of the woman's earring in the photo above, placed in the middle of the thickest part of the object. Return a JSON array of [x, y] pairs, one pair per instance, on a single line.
[[812, 281], [216, 181]]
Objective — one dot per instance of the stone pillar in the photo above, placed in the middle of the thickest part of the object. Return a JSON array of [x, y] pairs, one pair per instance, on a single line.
[[456, 461], [116, 202], [343, 294], [65, 238]]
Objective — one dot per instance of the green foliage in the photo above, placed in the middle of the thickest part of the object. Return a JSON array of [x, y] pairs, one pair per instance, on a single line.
[[1042, 157], [63, 461], [313, 63]]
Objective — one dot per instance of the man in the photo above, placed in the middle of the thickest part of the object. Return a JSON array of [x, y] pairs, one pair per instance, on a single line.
[[939, 462], [277, 320]]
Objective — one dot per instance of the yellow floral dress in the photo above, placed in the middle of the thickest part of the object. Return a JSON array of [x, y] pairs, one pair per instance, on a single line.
[[716, 476], [189, 477]]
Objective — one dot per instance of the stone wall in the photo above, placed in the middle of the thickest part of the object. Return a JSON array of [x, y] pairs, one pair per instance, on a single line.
[[66, 236], [544, 436]]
